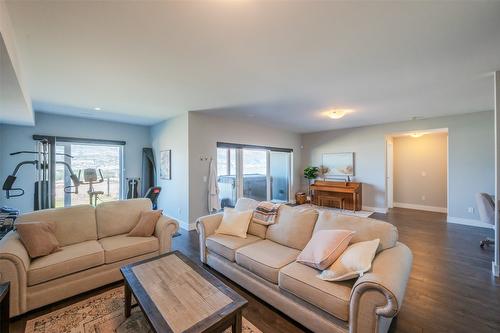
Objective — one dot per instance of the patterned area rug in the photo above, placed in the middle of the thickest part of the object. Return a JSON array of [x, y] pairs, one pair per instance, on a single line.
[[100, 314], [358, 213]]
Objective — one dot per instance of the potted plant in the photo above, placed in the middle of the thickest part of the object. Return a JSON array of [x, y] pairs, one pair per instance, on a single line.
[[310, 173]]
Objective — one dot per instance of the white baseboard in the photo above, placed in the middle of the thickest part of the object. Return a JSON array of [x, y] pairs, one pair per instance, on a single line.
[[495, 269], [421, 207], [375, 209], [471, 222]]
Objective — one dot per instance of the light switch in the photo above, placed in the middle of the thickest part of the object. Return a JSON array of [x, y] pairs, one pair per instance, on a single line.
[[204, 179], [424, 173]]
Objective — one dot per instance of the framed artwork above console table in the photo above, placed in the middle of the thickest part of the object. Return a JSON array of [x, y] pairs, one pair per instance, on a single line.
[[339, 165]]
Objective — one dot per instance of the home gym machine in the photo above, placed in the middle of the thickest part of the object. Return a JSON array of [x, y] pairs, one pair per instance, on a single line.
[[152, 193], [43, 192], [90, 179]]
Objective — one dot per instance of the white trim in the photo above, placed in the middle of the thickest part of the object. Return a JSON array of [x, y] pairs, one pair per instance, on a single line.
[[495, 269], [496, 85], [382, 210], [421, 207], [471, 222]]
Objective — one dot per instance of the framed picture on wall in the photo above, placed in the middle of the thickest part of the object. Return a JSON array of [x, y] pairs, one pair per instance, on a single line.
[[165, 164], [339, 164]]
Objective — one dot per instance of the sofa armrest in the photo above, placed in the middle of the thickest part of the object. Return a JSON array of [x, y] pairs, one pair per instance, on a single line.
[[377, 296], [165, 228], [206, 226], [14, 264]]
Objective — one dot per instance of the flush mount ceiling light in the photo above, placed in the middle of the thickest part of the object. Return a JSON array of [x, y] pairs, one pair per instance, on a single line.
[[98, 108], [416, 134], [337, 113]]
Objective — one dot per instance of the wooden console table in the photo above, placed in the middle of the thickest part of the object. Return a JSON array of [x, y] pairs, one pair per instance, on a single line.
[[350, 192]]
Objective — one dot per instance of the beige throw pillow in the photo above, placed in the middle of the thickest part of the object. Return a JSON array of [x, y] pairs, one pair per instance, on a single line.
[[235, 223], [38, 238], [147, 224], [354, 262], [324, 248]]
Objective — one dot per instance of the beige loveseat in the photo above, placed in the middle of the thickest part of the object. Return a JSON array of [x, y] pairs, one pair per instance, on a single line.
[[264, 264], [93, 244]]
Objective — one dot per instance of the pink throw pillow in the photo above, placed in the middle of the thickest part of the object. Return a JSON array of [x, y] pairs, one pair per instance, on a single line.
[[324, 247]]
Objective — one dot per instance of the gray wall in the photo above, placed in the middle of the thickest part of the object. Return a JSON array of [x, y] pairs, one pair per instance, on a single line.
[[204, 133], [471, 156], [15, 138], [420, 170], [173, 134]]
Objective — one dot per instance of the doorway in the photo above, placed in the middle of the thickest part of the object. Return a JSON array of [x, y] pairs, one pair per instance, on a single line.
[[417, 170]]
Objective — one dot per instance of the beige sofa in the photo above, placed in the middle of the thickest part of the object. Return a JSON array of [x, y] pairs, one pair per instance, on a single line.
[[264, 264], [94, 247]]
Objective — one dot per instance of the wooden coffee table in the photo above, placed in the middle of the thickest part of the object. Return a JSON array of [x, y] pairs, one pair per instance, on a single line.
[[176, 295], [4, 307]]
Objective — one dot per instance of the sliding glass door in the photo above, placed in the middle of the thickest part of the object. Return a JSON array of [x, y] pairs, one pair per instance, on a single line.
[[255, 174], [101, 159], [280, 171], [258, 173]]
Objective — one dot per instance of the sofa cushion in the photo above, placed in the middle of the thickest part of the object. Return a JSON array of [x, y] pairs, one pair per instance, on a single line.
[[332, 297], [38, 238], [366, 228], [293, 227], [226, 245], [355, 261], [255, 229], [147, 224], [324, 248], [122, 247], [73, 224], [235, 223], [265, 258], [71, 259], [119, 217]]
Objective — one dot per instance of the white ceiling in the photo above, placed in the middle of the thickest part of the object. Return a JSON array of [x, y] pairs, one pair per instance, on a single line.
[[282, 63], [13, 108]]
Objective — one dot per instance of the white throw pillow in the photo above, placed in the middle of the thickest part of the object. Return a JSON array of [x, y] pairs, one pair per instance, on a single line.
[[356, 260], [235, 223]]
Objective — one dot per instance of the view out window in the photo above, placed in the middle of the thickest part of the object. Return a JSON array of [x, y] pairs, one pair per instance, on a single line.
[[253, 172], [104, 159]]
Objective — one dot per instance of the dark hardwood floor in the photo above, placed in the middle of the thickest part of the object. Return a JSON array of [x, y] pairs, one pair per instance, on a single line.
[[451, 288]]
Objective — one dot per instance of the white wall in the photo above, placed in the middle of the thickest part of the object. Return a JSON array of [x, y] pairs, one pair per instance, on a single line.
[[15, 102], [420, 171], [471, 157], [15, 138], [204, 133], [173, 134]]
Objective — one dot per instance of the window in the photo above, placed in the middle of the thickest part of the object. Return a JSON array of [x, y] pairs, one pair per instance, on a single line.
[[105, 159], [260, 173]]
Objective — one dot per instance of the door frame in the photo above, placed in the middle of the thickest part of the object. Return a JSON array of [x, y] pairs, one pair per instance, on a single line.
[[389, 163]]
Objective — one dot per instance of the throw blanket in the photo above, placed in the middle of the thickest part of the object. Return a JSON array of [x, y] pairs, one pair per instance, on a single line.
[[265, 213]]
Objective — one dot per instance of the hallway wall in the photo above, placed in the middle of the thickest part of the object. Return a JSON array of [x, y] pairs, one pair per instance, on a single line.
[[420, 171]]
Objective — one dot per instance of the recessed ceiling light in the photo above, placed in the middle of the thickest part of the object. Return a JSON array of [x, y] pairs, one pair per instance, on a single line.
[[337, 113], [97, 108]]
